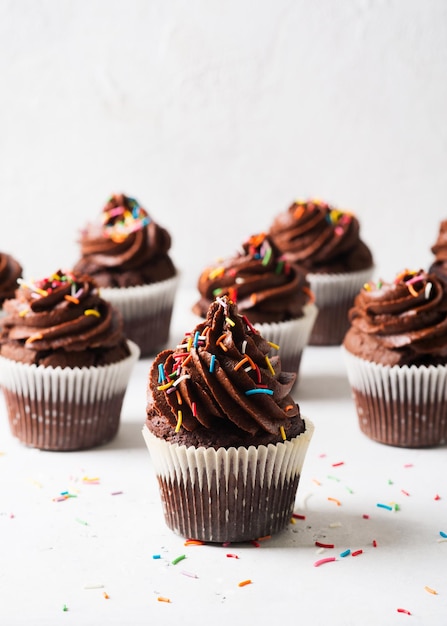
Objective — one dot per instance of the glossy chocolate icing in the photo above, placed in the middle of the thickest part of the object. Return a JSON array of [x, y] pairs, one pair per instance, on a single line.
[[403, 322], [266, 288], [10, 272], [207, 377]]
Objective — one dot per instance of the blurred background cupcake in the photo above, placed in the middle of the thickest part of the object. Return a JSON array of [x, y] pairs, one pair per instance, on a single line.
[[439, 250], [274, 295], [226, 439], [10, 272], [326, 244], [64, 364], [396, 358], [127, 254]]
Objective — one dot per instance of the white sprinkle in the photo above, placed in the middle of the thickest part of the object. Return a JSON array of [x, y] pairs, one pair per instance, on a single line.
[[180, 379], [428, 288], [244, 346]]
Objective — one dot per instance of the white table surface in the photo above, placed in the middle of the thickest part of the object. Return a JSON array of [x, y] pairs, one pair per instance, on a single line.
[[94, 554]]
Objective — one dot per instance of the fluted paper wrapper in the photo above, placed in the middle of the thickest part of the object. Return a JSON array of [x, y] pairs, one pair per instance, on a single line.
[[146, 311], [230, 495], [334, 296], [65, 408], [291, 336], [402, 406]]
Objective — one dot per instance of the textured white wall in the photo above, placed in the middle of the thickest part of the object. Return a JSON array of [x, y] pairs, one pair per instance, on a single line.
[[216, 115]]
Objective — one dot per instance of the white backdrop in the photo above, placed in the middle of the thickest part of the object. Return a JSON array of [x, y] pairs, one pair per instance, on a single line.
[[216, 115]]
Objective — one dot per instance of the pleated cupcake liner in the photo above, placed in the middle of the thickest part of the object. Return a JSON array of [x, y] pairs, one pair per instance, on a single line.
[[403, 406], [334, 296], [146, 311], [65, 408], [228, 495]]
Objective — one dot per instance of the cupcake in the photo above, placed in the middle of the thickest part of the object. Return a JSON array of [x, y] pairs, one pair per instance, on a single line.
[[325, 243], [10, 272], [227, 440], [126, 252], [439, 249], [273, 294], [396, 358], [64, 364]]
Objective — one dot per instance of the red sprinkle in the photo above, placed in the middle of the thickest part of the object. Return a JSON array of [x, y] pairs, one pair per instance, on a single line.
[[374, 543], [437, 497], [230, 555], [298, 516], [338, 464], [324, 545], [365, 516], [256, 544], [357, 552], [404, 611]]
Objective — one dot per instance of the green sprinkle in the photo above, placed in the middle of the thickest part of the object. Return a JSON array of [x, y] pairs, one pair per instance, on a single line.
[[65, 607], [178, 559], [267, 257], [81, 521], [279, 267], [334, 478]]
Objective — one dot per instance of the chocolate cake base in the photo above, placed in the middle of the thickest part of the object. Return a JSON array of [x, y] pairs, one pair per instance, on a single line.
[[403, 423], [331, 324], [149, 332]]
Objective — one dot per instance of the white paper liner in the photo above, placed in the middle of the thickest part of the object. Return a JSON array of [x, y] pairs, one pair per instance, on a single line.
[[291, 336], [143, 300], [336, 288], [400, 405], [48, 406], [201, 474]]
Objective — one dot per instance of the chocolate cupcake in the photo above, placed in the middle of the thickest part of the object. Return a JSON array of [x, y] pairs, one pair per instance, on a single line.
[[64, 363], [127, 253], [325, 242], [396, 357], [439, 249], [226, 439], [274, 295]]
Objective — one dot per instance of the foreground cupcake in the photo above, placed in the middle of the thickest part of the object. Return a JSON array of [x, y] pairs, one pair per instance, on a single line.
[[64, 364], [325, 243], [227, 440], [274, 295], [396, 356], [127, 254]]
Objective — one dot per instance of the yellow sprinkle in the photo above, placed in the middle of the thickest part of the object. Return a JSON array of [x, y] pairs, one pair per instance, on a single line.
[[179, 422], [92, 312], [165, 386], [41, 292], [189, 344], [230, 321], [269, 365], [292, 520], [283, 432], [367, 287], [273, 345], [430, 590], [23, 313], [218, 271]]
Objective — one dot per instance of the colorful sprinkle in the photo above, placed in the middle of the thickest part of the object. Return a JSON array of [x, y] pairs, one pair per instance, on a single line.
[[179, 421], [244, 583], [430, 590], [230, 555], [404, 611], [329, 559], [270, 366], [178, 559], [337, 502], [283, 433], [319, 544], [443, 534], [163, 599], [93, 312], [345, 553], [384, 506], [357, 552], [252, 392], [212, 363]]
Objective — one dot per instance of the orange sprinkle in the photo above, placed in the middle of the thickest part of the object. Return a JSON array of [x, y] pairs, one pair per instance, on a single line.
[[188, 358], [243, 583], [71, 299], [298, 212], [194, 542], [35, 337], [162, 599], [264, 538], [288, 407], [430, 590], [219, 342], [337, 502], [309, 293], [253, 298], [106, 595], [241, 363], [412, 290]]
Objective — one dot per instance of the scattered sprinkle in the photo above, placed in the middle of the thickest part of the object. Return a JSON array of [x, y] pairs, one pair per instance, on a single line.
[[329, 559], [404, 611], [337, 502], [437, 497], [298, 516], [163, 599], [81, 521], [374, 543], [405, 492], [338, 464], [324, 545], [365, 516], [430, 590], [231, 555], [283, 433], [106, 595], [188, 574], [178, 559], [244, 583], [65, 608], [345, 553], [384, 506], [443, 534], [156, 556], [357, 552], [194, 542], [251, 392], [212, 363], [99, 586], [116, 493]]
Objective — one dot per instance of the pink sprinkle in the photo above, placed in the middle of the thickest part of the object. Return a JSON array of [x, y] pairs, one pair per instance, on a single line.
[[357, 552], [329, 559], [408, 465], [116, 493], [405, 492]]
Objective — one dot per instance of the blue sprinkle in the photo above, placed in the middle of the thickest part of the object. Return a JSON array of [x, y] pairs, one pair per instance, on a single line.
[[384, 506], [251, 392], [443, 534], [345, 553], [161, 373], [213, 360], [196, 339], [156, 556]]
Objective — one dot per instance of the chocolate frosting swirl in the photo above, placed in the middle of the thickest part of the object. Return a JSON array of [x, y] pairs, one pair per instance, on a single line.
[[127, 248], [10, 272], [400, 323], [266, 288], [62, 321], [220, 386], [320, 238]]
